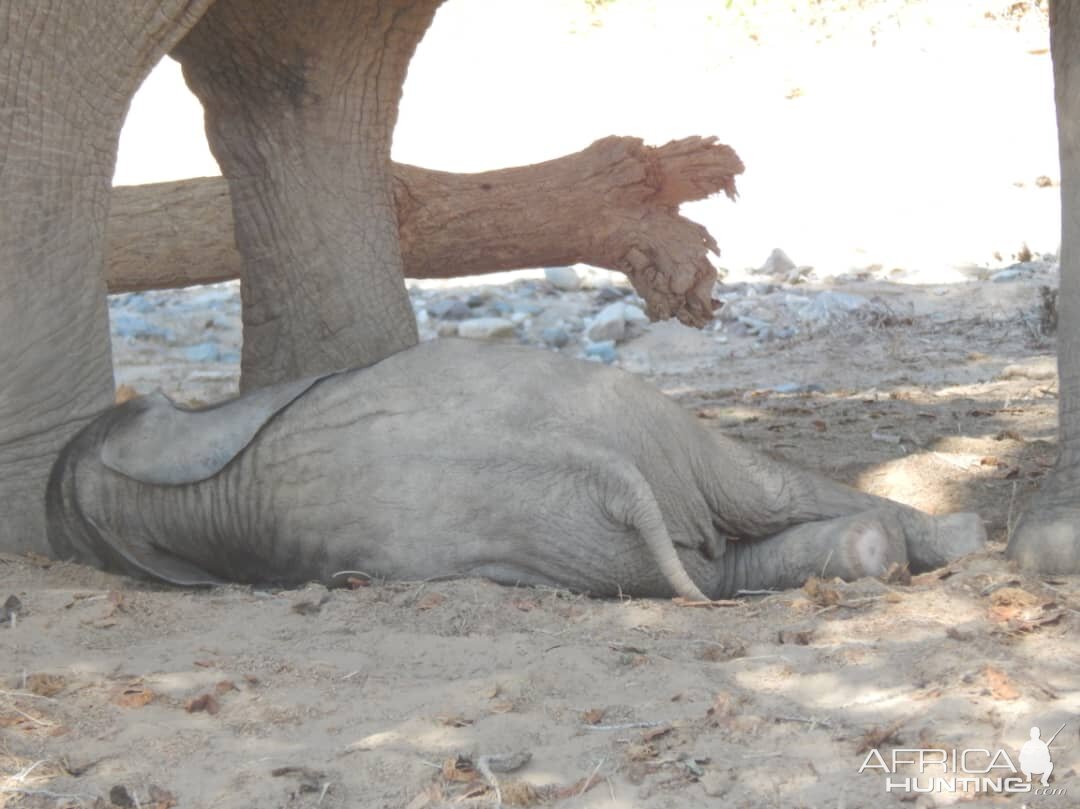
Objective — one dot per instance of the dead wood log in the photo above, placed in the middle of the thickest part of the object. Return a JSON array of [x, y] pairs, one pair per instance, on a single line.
[[613, 205]]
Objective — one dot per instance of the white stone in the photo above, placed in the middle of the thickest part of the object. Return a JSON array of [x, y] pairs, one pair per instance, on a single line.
[[777, 264], [485, 328], [564, 278], [609, 323]]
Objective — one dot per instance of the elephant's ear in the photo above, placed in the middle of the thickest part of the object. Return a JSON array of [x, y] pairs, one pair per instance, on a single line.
[[165, 444]]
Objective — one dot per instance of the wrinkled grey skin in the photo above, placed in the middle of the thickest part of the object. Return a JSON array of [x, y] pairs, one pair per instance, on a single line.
[[464, 459]]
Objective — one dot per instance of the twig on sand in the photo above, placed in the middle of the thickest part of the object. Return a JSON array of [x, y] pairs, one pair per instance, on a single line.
[[59, 796], [719, 602], [592, 776], [626, 726], [826, 565], [809, 720], [1009, 517]]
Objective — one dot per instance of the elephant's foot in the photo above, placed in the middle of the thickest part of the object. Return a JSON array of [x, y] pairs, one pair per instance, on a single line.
[[1047, 537], [846, 547], [936, 541]]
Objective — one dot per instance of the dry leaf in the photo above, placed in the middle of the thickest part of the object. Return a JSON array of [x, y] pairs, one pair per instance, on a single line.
[[45, 685], [452, 721], [593, 716], [203, 702], [225, 686], [125, 393], [506, 706], [525, 604], [641, 752], [792, 637], [723, 704], [134, 695], [876, 737], [162, 798], [1000, 686], [655, 733], [459, 769], [817, 591], [430, 600], [519, 793], [898, 573]]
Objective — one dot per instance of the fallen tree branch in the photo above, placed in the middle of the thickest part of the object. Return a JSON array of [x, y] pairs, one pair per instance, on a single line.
[[613, 205]]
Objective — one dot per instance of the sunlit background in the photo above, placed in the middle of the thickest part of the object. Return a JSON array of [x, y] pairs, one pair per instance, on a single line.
[[906, 134]]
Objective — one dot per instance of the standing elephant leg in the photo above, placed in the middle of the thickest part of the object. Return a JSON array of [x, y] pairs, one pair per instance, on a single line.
[[1047, 537], [301, 97], [67, 73]]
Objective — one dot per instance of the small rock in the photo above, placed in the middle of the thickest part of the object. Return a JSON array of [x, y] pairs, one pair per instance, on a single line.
[[555, 336], [10, 611], [450, 309], [830, 305], [518, 318], [778, 264], [528, 307], [119, 796], [203, 352], [716, 784], [476, 300], [609, 324], [798, 387], [485, 328], [610, 294], [603, 351], [564, 278], [447, 328], [126, 324], [500, 308], [1010, 274]]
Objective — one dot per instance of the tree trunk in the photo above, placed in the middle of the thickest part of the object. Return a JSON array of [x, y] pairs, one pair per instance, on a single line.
[[301, 98], [603, 205], [67, 74]]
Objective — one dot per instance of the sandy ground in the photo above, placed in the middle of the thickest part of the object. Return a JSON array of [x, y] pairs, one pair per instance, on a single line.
[[463, 693], [393, 694]]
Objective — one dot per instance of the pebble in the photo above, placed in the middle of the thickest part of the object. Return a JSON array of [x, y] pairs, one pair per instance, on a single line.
[[203, 352], [564, 278], [127, 324], [777, 264], [609, 324], [610, 294], [797, 387], [450, 309], [555, 336], [485, 328], [603, 351], [829, 305], [1010, 274]]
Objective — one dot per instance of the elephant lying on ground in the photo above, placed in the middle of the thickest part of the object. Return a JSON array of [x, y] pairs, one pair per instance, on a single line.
[[458, 459]]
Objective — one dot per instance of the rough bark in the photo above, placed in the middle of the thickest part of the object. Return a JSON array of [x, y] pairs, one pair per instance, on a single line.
[[1047, 536], [605, 205], [67, 72], [301, 99]]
